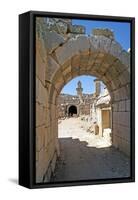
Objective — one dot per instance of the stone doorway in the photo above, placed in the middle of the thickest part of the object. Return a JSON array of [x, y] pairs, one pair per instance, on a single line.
[[72, 111]]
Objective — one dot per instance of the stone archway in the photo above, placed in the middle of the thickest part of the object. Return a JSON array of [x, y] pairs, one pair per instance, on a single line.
[[60, 58]]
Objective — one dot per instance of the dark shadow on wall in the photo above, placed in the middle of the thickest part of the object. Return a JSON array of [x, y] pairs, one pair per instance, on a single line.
[[77, 161]]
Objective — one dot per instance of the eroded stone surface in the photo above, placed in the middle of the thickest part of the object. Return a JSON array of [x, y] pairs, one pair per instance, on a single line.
[[77, 29], [52, 67], [104, 32], [73, 47], [53, 40]]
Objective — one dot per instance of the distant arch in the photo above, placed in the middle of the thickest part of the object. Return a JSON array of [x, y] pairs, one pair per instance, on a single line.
[[72, 110]]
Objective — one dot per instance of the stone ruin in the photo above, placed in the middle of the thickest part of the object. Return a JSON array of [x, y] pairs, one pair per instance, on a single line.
[[64, 51]]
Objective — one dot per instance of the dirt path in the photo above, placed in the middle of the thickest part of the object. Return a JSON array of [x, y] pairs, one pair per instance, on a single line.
[[85, 156]]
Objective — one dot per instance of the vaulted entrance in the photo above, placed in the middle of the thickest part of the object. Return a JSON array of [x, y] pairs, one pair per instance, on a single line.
[[72, 111]]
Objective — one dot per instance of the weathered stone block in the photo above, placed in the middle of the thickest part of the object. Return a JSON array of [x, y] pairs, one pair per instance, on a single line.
[[51, 149], [40, 48], [53, 162], [52, 67], [84, 59], [71, 48], [41, 93], [115, 138], [59, 84], [127, 105], [74, 73], [124, 133], [124, 118], [94, 43], [41, 115], [103, 32], [116, 84], [47, 120], [124, 93], [100, 43], [41, 166], [40, 137], [124, 77], [62, 27], [91, 60], [115, 117], [115, 49], [57, 24], [120, 94], [53, 40], [125, 58], [68, 77], [115, 106], [119, 66], [125, 147], [66, 71], [52, 112], [75, 62], [122, 106], [46, 135], [40, 68], [77, 29], [112, 76], [53, 93]]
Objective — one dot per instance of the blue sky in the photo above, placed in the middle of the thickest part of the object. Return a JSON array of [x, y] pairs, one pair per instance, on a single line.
[[122, 35], [88, 85], [121, 29]]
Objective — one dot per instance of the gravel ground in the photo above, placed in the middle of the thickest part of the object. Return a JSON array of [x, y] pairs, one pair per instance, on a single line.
[[85, 156]]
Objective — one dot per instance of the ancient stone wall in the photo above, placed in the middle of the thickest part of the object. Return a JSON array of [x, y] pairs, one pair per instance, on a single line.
[[46, 123]]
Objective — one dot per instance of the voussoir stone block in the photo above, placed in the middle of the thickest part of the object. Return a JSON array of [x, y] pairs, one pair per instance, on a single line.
[[124, 77], [100, 43], [40, 68], [53, 40], [73, 47], [52, 67], [115, 49], [41, 93], [66, 71], [75, 62], [84, 58], [125, 58]]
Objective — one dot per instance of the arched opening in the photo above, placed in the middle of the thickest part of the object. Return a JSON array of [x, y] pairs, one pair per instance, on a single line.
[[89, 100], [72, 111]]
